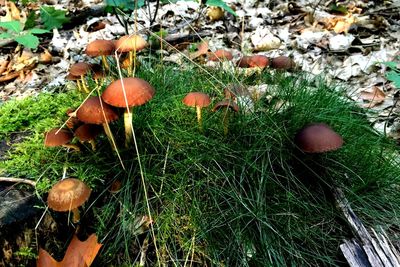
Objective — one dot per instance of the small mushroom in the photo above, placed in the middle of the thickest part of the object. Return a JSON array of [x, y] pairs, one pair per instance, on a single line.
[[220, 55], [255, 61], [131, 44], [95, 111], [197, 100], [101, 48], [318, 138], [59, 137], [68, 195], [128, 93], [71, 77], [88, 133], [226, 104], [72, 121], [80, 69], [282, 63]]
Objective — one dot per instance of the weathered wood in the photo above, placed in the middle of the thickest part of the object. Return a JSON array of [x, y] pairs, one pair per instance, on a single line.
[[374, 251]]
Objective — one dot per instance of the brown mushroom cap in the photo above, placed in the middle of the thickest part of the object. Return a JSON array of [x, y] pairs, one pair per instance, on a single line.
[[254, 61], [87, 132], [97, 71], [130, 43], [282, 63], [196, 99], [137, 91], [318, 138], [226, 103], [258, 61], [91, 111], [71, 77], [52, 138], [79, 69], [100, 48], [68, 194], [220, 54]]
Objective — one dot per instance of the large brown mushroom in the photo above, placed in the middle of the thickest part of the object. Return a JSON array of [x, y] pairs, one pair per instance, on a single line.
[[101, 48], [318, 138], [59, 137], [197, 100], [255, 61], [68, 195], [131, 44], [226, 104], [128, 93], [95, 111], [220, 55]]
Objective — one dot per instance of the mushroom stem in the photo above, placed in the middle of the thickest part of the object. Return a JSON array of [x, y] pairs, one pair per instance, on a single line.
[[93, 144], [76, 217], [105, 63], [75, 148], [128, 116], [199, 119], [130, 63], [78, 83], [85, 89], [110, 136], [225, 121]]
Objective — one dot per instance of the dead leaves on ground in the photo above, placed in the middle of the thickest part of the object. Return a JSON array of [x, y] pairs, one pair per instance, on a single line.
[[374, 97], [78, 254]]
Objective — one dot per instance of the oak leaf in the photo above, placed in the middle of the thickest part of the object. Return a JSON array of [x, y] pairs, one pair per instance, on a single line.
[[78, 254]]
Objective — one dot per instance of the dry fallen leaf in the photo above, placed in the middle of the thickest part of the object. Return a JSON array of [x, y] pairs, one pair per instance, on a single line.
[[78, 254], [375, 97], [202, 49]]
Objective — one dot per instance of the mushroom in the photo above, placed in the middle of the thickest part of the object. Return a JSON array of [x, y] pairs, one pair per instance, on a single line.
[[87, 133], [72, 121], [318, 138], [101, 48], [128, 93], [59, 137], [227, 104], [95, 111], [282, 63], [68, 195], [131, 44], [255, 61], [197, 100], [220, 55], [71, 77], [80, 69]]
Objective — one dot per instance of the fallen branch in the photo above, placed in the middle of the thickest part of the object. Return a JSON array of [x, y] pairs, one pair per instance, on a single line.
[[17, 180]]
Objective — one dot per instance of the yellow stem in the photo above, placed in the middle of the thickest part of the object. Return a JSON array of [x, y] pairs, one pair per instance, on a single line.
[[105, 63], [128, 127]]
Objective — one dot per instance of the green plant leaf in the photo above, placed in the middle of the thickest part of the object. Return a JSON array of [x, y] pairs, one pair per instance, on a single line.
[[221, 4], [125, 4], [37, 31], [394, 76], [52, 18], [30, 20], [5, 35], [28, 40], [14, 26], [390, 64]]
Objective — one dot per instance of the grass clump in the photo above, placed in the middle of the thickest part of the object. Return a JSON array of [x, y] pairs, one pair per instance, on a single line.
[[248, 198]]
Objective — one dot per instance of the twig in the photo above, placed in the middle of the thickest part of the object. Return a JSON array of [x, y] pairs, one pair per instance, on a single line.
[[17, 180]]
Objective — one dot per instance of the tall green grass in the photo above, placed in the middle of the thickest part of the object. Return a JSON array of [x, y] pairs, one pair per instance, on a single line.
[[249, 198]]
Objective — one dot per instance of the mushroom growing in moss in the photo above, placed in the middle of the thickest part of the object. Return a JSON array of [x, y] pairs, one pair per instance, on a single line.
[[128, 93], [255, 61], [282, 63], [60, 137], [197, 100], [68, 195], [88, 133], [95, 111], [131, 44], [80, 69], [101, 48], [226, 104]]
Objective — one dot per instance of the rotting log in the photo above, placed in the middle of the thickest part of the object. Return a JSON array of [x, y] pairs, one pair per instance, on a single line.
[[365, 250]]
